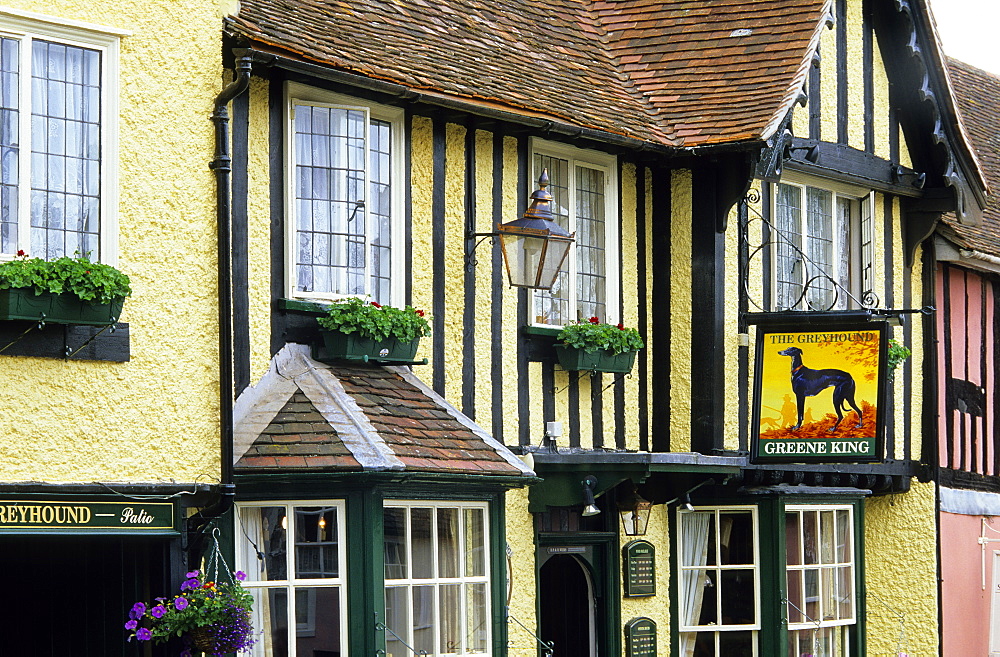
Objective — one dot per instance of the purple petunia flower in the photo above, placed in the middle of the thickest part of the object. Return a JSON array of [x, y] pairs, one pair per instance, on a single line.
[[186, 653], [138, 609], [192, 574], [143, 634], [159, 611], [190, 584], [180, 604], [240, 575], [131, 625]]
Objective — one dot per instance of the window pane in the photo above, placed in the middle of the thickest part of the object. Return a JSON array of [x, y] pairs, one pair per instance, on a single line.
[[394, 535], [553, 306], [826, 537], [477, 618], [736, 538], [423, 618], [845, 537], [810, 537], [789, 267], [475, 543], [590, 248], [819, 248], [796, 596], [793, 539], [451, 607], [316, 542], [9, 142], [447, 533], [736, 644], [270, 608], [379, 208], [331, 221], [273, 528], [397, 611], [845, 591], [317, 621], [65, 101], [737, 596], [420, 543]]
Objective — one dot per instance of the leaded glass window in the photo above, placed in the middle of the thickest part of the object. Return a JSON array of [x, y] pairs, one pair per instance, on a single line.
[[581, 187], [342, 187], [52, 147]]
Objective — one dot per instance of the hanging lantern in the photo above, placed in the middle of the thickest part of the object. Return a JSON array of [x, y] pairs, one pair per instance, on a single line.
[[534, 247]]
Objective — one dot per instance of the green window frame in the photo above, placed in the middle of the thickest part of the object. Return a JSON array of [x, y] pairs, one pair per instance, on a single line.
[[808, 565]]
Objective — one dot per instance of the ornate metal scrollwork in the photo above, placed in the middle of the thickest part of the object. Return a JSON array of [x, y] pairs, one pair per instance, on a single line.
[[819, 289]]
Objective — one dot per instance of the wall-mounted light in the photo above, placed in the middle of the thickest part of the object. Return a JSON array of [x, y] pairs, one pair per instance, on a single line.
[[590, 505], [534, 247], [634, 511]]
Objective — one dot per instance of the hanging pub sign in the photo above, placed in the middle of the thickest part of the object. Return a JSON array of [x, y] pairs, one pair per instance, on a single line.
[[818, 394]]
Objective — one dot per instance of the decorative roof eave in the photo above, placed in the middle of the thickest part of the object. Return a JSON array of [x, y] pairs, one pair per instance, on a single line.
[[963, 172], [950, 248], [796, 90]]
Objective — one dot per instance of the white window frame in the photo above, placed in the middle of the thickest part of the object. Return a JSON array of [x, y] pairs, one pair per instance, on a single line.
[[248, 562], [608, 164], [437, 581], [755, 627], [26, 26], [851, 256], [822, 624], [296, 93]]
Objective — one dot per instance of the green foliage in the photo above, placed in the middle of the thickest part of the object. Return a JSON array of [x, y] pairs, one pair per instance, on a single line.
[[376, 322], [895, 355], [90, 281], [593, 335]]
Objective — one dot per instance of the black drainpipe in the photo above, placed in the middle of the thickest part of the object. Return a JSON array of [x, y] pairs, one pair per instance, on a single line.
[[222, 166]]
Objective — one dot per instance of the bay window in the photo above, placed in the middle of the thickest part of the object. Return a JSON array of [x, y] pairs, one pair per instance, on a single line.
[[584, 202], [344, 197], [437, 586], [57, 143], [725, 588], [824, 251]]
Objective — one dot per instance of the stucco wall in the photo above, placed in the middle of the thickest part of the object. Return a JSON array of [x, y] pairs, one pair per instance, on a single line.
[[901, 573], [155, 417]]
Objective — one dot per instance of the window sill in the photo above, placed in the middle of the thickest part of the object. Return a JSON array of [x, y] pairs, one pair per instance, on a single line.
[[303, 306], [550, 331]]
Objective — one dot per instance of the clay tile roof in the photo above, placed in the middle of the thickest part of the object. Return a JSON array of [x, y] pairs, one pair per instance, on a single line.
[[675, 73], [308, 416], [978, 95]]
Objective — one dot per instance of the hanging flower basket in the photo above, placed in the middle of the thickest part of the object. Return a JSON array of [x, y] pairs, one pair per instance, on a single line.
[[212, 615]]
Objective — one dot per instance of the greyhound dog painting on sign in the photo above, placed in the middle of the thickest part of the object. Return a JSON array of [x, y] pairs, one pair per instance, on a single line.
[[819, 394]]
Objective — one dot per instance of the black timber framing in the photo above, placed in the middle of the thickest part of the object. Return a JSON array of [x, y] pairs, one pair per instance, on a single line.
[[707, 313], [239, 258], [19, 338]]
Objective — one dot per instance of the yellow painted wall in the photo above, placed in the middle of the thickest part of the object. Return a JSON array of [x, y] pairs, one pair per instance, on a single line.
[[156, 417], [901, 569], [656, 607], [520, 538], [259, 231], [680, 310]]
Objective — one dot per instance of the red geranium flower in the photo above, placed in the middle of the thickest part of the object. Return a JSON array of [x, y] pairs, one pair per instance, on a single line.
[[376, 304], [419, 312], [594, 320], [621, 327], [21, 252]]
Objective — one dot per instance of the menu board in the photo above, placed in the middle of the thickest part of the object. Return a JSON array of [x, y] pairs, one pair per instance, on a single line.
[[640, 569], [640, 638]]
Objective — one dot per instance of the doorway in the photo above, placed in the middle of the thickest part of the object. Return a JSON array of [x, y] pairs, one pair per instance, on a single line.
[[567, 606]]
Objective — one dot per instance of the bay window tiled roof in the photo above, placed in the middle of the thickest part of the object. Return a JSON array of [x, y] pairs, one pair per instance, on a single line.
[[307, 416], [675, 73]]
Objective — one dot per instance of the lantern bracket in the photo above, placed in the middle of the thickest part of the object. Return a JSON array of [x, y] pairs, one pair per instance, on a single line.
[[478, 238]]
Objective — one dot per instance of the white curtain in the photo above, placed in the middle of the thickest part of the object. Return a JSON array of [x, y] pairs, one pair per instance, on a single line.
[[694, 552], [249, 519]]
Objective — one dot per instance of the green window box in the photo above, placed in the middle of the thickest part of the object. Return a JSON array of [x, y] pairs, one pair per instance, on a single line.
[[23, 304], [602, 360]]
